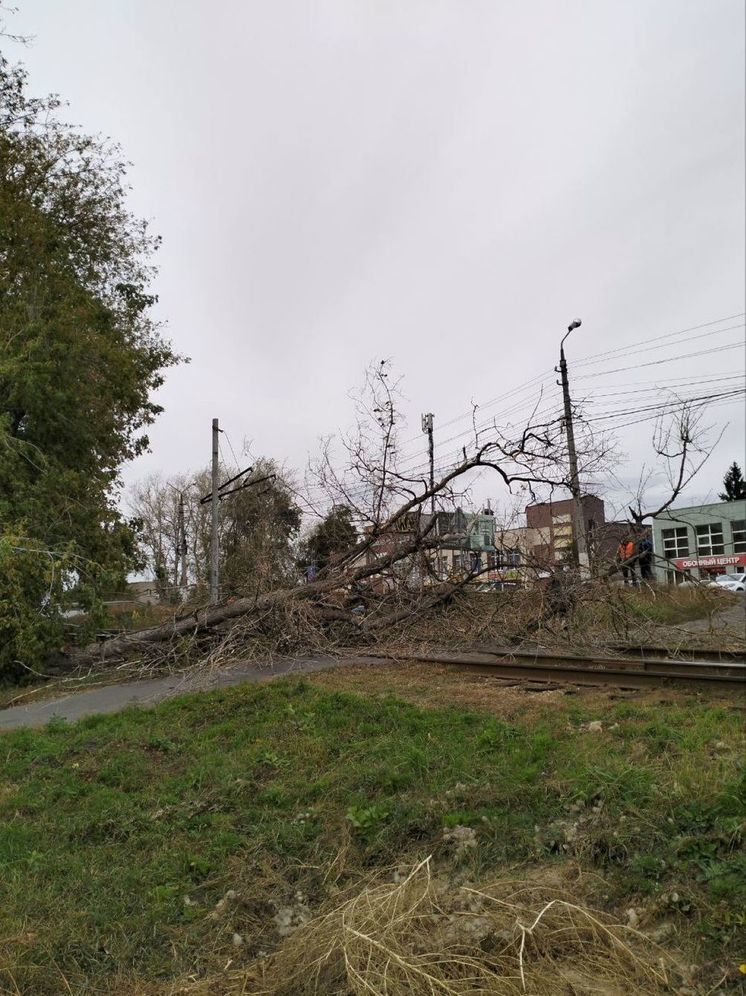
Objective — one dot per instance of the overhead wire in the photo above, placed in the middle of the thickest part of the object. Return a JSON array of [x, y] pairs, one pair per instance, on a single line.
[[230, 445], [664, 339], [550, 413], [641, 415], [665, 359], [536, 384], [523, 407], [589, 359]]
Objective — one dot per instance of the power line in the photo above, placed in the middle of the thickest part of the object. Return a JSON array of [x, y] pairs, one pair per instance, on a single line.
[[662, 345], [537, 383], [590, 359], [661, 338], [665, 359], [523, 406], [649, 413], [667, 404], [662, 385], [230, 445]]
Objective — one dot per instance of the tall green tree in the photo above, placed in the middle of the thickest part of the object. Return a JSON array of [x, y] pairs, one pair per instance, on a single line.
[[335, 534], [80, 352], [258, 527], [734, 484]]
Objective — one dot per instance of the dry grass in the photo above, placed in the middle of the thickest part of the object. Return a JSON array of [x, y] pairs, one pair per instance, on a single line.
[[436, 686], [422, 936], [592, 616]]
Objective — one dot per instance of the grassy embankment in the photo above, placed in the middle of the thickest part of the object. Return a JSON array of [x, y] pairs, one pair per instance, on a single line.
[[119, 835]]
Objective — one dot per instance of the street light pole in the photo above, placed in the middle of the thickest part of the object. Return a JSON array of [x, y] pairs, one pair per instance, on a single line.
[[427, 427], [581, 546]]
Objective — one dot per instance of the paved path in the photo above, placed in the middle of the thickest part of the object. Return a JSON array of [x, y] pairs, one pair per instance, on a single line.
[[113, 698], [732, 619]]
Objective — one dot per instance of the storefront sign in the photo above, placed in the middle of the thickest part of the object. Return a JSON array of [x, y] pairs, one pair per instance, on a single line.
[[719, 561]]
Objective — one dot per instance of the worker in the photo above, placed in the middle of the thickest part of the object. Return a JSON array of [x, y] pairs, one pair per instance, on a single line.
[[645, 556], [626, 555]]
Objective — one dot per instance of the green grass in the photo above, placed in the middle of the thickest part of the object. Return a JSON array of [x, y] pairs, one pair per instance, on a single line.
[[106, 826], [670, 606]]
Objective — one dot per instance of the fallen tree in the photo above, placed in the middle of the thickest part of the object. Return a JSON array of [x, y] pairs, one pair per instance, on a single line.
[[392, 573]]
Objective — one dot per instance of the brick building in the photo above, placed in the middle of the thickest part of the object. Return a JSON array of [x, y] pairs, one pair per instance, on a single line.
[[551, 527]]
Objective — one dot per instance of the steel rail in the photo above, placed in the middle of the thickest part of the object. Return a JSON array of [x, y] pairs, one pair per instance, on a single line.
[[549, 658], [548, 667], [680, 653]]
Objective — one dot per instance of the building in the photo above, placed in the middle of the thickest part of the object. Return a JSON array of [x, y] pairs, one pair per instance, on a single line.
[[699, 542], [552, 523], [143, 592], [468, 542]]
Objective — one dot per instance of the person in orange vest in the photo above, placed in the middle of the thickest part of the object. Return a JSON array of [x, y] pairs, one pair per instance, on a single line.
[[625, 557]]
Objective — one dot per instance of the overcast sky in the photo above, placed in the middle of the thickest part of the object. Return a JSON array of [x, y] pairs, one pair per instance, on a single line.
[[444, 183]]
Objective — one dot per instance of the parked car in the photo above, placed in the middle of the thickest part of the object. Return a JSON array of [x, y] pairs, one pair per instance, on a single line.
[[732, 581], [497, 586], [737, 584]]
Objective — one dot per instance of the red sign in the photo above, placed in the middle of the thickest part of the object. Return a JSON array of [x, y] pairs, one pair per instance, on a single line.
[[722, 560]]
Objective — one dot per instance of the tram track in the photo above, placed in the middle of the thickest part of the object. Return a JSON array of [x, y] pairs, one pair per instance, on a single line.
[[548, 666]]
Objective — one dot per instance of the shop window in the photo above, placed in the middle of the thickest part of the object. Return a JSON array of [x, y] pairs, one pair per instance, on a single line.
[[675, 542], [678, 577], [739, 535], [710, 539]]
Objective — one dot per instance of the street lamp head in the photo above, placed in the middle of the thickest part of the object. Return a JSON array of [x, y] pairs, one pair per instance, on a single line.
[[574, 324]]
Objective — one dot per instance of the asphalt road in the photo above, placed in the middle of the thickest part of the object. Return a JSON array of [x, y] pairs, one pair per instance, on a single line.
[[145, 694]]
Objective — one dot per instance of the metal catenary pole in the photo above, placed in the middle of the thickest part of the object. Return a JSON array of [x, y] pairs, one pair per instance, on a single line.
[[580, 546], [214, 540]]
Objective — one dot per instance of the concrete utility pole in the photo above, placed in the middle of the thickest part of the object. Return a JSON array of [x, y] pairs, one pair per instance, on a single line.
[[183, 549], [214, 544], [581, 546], [427, 427]]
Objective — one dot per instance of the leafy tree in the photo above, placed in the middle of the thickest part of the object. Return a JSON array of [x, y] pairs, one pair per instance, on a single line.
[[333, 535], [80, 353], [734, 484], [258, 528]]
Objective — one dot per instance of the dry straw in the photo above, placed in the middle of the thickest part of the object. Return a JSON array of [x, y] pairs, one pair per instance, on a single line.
[[424, 938]]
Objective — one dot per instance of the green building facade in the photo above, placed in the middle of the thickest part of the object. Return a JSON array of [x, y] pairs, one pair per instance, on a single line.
[[700, 542]]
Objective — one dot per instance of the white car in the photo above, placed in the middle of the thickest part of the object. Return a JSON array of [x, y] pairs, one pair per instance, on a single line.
[[735, 581]]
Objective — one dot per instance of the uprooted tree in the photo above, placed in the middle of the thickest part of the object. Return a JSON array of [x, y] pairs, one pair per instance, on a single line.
[[387, 574], [390, 573]]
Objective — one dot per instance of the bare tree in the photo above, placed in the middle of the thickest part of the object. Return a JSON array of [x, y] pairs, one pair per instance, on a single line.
[[380, 581], [683, 445], [388, 577], [154, 505]]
